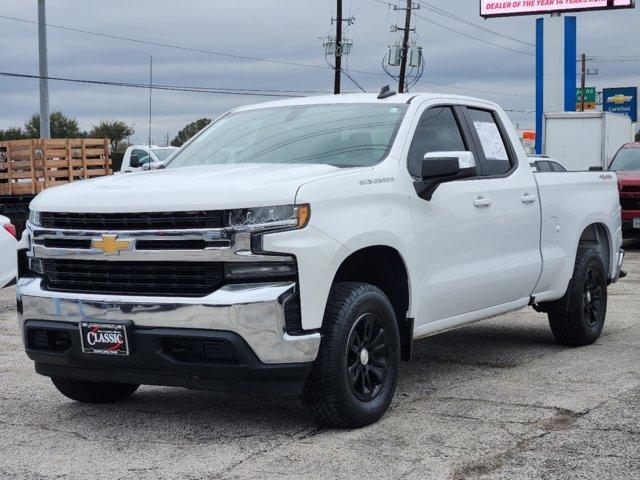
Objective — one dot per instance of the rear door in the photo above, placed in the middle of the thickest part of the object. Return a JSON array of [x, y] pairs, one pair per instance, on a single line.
[[515, 208]]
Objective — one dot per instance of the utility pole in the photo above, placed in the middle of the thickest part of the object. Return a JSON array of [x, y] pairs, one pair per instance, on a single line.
[[584, 73], [338, 67], [150, 91], [583, 79], [45, 127], [405, 43]]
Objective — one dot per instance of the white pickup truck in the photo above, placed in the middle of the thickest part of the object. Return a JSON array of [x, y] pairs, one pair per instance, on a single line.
[[143, 157], [301, 246]]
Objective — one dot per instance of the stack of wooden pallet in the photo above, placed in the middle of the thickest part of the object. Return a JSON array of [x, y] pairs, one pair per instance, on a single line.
[[29, 166]]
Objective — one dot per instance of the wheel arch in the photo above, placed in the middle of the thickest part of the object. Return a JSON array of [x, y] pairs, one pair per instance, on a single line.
[[598, 237], [384, 267]]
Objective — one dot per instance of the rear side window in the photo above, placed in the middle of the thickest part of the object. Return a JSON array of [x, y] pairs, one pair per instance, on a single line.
[[438, 131], [492, 143], [544, 166]]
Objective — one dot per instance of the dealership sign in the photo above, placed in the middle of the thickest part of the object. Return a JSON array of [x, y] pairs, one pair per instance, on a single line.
[[621, 100], [492, 8]]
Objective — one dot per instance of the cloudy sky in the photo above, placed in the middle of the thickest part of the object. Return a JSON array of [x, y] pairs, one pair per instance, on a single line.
[[284, 30]]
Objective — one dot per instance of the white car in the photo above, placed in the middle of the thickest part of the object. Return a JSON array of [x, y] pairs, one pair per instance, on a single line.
[[8, 250], [301, 246]]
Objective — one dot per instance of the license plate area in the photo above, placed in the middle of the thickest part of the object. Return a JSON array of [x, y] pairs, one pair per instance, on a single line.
[[636, 223], [104, 338]]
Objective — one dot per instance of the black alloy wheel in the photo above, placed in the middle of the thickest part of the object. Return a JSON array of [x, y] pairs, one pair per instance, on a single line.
[[592, 297], [367, 357]]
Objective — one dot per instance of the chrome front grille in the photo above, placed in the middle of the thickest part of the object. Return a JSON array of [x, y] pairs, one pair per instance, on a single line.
[[150, 262]]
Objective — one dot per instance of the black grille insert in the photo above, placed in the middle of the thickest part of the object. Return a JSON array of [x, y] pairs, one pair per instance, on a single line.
[[195, 350], [57, 341], [630, 203], [293, 315], [194, 279], [133, 221]]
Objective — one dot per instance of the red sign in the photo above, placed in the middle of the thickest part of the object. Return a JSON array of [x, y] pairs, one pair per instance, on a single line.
[[492, 8]]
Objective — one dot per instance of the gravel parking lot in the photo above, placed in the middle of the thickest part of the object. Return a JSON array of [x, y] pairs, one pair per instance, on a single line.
[[498, 399]]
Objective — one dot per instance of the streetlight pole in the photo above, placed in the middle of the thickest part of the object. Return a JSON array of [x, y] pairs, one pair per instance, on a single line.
[[338, 67], [45, 127]]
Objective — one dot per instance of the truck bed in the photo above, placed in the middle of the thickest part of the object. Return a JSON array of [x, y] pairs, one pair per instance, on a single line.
[[566, 199]]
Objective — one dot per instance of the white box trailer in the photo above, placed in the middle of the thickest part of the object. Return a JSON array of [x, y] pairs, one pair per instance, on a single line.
[[580, 140]]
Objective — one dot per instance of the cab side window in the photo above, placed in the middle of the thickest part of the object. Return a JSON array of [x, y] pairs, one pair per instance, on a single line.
[[492, 142], [438, 131], [143, 157]]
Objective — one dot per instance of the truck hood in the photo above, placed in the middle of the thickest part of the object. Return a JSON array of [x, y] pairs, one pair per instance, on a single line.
[[212, 187], [628, 177]]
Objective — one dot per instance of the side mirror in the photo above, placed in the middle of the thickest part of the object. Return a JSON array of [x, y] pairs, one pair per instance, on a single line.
[[443, 167], [595, 169], [134, 161]]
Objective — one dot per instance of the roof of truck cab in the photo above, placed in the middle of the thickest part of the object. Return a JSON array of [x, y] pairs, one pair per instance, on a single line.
[[355, 98]]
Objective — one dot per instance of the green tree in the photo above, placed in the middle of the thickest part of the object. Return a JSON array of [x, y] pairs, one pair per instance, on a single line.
[[11, 133], [61, 126], [638, 137], [114, 130], [189, 131]]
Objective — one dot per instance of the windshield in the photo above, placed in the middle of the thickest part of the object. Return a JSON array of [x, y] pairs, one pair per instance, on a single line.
[[339, 135], [163, 153], [626, 159]]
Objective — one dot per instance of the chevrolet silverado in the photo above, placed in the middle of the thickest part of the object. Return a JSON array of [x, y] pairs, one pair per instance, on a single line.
[[302, 246]]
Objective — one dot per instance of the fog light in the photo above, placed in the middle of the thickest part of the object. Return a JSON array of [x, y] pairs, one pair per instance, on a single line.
[[36, 265], [260, 270]]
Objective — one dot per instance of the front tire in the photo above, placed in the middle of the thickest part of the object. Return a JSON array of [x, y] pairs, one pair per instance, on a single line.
[[578, 318], [354, 377], [94, 392]]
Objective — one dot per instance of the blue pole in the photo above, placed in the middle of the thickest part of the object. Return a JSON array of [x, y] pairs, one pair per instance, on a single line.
[[539, 82], [570, 58]]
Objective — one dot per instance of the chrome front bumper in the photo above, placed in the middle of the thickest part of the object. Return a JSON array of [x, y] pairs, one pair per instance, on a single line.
[[253, 311]]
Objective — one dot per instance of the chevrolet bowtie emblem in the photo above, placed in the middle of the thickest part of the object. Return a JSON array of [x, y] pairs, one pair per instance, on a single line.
[[111, 245], [619, 99]]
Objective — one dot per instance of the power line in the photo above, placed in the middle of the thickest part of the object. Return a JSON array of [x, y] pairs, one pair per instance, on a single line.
[[474, 37], [478, 39], [174, 88], [222, 91], [169, 45], [478, 90], [243, 57], [452, 16], [352, 80]]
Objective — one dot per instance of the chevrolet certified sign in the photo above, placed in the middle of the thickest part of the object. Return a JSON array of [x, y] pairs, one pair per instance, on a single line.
[[621, 100], [490, 8]]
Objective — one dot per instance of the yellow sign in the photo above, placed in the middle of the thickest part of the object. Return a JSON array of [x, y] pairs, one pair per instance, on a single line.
[[587, 106], [111, 245]]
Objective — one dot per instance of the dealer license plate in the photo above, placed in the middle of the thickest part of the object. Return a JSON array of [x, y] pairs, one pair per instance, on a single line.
[[104, 338], [636, 223]]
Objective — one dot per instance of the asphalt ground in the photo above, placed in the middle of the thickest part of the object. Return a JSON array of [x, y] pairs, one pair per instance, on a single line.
[[497, 399]]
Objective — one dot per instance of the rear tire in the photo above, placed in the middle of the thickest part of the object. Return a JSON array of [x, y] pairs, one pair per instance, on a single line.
[[577, 319], [94, 392], [355, 374]]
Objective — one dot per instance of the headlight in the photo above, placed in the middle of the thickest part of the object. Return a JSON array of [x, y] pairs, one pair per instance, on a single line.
[[34, 217], [284, 216]]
